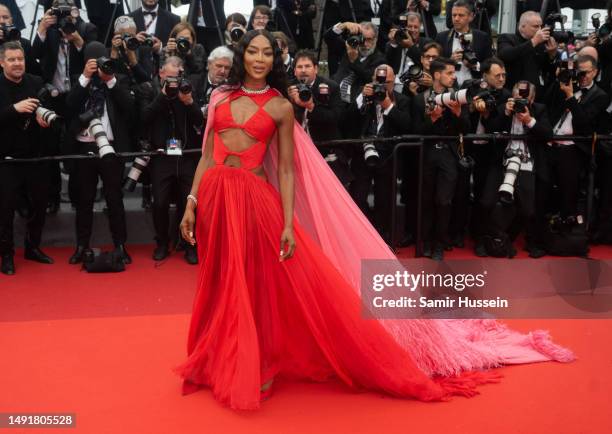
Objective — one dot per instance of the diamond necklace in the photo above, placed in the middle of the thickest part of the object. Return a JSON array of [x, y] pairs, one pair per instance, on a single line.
[[255, 91]]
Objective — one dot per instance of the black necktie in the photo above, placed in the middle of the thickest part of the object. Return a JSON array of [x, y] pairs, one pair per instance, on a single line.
[[153, 14]]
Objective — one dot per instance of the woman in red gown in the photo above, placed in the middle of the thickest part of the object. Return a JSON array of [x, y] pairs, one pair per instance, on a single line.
[[271, 301]]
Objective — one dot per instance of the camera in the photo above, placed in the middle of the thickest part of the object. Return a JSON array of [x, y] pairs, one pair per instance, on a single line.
[[174, 85], [380, 85], [468, 54], [402, 30], [413, 73], [10, 33], [138, 166], [63, 12], [560, 225], [183, 45], [304, 91], [520, 105], [91, 119], [45, 94], [354, 41], [567, 72], [106, 65], [512, 164], [148, 42], [471, 89], [236, 33], [131, 41], [563, 37]]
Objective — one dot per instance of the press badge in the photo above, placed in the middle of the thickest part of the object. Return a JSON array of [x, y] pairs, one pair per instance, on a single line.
[[376, 21], [174, 147]]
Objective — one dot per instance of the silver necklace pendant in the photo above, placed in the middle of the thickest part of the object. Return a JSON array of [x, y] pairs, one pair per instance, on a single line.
[[255, 91]]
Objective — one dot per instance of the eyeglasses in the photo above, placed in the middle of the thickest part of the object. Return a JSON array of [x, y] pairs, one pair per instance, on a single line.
[[429, 57]]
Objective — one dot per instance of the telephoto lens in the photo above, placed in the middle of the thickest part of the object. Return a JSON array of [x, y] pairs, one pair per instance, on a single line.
[[506, 189], [380, 85], [106, 65], [138, 166], [49, 116], [96, 129], [131, 41]]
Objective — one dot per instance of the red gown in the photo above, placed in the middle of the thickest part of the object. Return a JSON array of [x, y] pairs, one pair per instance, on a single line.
[[255, 318]]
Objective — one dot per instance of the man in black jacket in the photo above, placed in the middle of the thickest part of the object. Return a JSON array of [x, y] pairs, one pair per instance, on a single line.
[[574, 110], [20, 138], [529, 53], [104, 97], [320, 114], [440, 167], [154, 20], [172, 119], [508, 195], [206, 24], [384, 115], [484, 11], [427, 9], [467, 47]]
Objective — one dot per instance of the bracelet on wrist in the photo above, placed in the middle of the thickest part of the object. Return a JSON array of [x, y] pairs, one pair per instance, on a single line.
[[193, 199]]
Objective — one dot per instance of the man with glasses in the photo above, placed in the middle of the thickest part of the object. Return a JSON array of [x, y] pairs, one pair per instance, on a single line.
[[575, 109]]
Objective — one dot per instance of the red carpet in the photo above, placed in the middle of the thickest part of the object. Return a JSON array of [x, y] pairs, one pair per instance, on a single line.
[[103, 346]]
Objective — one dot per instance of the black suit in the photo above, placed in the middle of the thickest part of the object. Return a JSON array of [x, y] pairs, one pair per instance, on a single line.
[[208, 35], [165, 23], [481, 43], [166, 118], [566, 161], [527, 197], [20, 138], [47, 52], [297, 27], [119, 102], [396, 122], [435, 7], [394, 54], [524, 61]]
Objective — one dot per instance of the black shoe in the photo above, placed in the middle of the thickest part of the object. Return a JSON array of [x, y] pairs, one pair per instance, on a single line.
[[35, 254], [191, 255], [535, 252], [161, 252], [77, 256], [407, 241], [480, 250], [438, 253], [127, 259], [8, 265]]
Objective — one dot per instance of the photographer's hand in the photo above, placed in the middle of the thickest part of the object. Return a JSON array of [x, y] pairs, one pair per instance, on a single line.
[[551, 48], [413, 87], [541, 36], [352, 53], [116, 44], [90, 68], [457, 56], [567, 89], [525, 117], [28, 105], [387, 102], [368, 90], [75, 38], [509, 107], [426, 81], [480, 106], [353, 28], [186, 98], [170, 47], [436, 113], [424, 4], [41, 122], [46, 22]]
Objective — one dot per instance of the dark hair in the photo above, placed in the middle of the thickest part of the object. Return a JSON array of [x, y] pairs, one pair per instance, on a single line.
[[431, 45], [440, 64], [464, 4], [277, 78], [11, 45], [236, 18], [586, 58], [485, 66], [183, 26], [262, 9], [306, 54]]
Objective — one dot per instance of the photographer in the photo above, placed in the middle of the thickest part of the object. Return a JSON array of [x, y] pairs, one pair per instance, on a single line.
[[172, 117], [510, 188], [604, 48], [125, 49], [9, 32], [261, 19], [405, 45], [296, 20], [467, 47], [219, 65], [431, 51], [450, 118], [182, 43], [485, 10], [360, 58], [103, 109], [529, 53], [484, 113], [283, 43], [317, 105], [20, 124], [151, 20], [427, 10], [577, 107], [381, 112], [235, 28], [205, 23]]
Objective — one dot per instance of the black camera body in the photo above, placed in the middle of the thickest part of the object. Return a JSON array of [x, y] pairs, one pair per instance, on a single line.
[[304, 91], [10, 33], [64, 14], [183, 45], [182, 85], [413, 74], [131, 41], [354, 41], [562, 37], [567, 72], [106, 65], [380, 85], [520, 105], [236, 33], [468, 54]]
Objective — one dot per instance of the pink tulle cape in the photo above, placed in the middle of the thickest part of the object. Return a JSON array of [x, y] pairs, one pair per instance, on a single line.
[[439, 347]]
